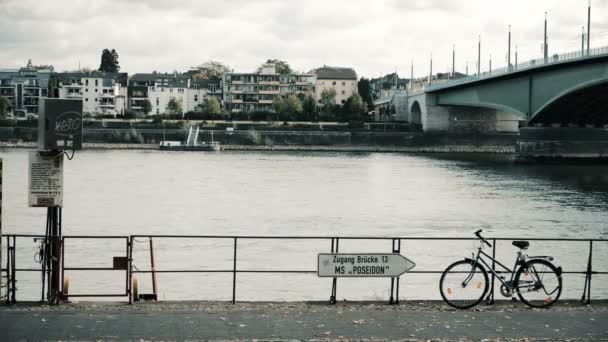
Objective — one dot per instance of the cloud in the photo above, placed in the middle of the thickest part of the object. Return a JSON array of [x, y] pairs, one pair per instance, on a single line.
[[373, 37]]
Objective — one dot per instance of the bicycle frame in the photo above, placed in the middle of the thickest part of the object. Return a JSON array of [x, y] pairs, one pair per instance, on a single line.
[[520, 260]]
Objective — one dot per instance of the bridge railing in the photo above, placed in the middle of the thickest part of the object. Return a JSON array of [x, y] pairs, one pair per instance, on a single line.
[[531, 64], [184, 248]]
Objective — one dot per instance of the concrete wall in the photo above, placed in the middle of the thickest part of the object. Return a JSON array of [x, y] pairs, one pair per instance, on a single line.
[[562, 143]]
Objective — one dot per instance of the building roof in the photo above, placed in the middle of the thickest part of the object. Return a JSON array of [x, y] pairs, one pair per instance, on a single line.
[[335, 73], [203, 82], [168, 79]]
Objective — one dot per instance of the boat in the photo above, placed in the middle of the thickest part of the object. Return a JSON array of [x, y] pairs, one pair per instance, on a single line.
[[191, 143]]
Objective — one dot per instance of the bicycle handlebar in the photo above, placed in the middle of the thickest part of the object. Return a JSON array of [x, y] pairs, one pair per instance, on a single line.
[[478, 234]]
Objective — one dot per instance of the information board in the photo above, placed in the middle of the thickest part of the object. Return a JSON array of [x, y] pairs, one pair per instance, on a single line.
[[45, 180], [363, 265]]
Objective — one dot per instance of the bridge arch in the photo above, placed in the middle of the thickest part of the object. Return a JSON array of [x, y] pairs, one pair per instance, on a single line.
[[416, 113], [583, 103]]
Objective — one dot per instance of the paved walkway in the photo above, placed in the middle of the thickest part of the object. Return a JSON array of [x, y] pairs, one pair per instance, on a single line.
[[301, 321]]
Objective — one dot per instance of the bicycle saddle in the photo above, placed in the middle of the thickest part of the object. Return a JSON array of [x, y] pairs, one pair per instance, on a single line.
[[521, 244]]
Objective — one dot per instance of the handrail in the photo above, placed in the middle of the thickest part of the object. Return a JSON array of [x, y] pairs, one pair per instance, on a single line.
[[11, 267], [528, 65]]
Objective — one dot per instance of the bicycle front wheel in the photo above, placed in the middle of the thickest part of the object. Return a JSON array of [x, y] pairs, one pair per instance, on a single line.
[[463, 284], [538, 283]]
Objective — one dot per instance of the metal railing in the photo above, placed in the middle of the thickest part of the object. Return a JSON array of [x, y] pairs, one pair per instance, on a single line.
[[531, 64], [333, 244]]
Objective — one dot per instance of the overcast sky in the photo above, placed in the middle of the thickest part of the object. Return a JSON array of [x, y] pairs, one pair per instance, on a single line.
[[374, 37]]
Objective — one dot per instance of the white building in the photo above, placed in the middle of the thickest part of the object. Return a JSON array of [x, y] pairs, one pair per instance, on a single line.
[[23, 88], [161, 88], [342, 80], [101, 93]]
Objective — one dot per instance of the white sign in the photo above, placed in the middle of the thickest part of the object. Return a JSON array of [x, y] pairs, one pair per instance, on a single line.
[[46, 180], [363, 265]]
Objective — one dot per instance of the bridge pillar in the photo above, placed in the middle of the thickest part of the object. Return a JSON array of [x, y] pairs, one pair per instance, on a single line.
[[562, 143]]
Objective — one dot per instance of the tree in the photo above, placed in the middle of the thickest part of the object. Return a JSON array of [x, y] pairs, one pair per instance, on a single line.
[[174, 106], [109, 61], [213, 106], [5, 104], [293, 106], [31, 65], [328, 100], [146, 106], [278, 105], [354, 108], [282, 67], [211, 70], [363, 89], [309, 105]]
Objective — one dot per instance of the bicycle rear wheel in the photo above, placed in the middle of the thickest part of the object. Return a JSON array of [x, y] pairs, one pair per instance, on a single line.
[[538, 283], [463, 284]]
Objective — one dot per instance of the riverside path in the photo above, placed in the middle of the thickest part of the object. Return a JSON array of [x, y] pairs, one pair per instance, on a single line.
[[410, 321]]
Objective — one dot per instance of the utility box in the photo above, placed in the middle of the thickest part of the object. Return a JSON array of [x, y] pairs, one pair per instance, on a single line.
[[60, 124]]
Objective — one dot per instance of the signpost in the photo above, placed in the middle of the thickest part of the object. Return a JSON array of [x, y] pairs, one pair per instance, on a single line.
[[363, 265], [45, 180], [1, 284]]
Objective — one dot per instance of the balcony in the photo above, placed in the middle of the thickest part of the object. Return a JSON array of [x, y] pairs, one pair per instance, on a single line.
[[269, 82], [107, 105], [73, 95], [269, 92], [107, 95], [237, 101], [73, 85], [265, 101]]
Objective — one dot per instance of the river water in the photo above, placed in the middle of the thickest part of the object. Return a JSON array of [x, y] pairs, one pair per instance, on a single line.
[[123, 192]]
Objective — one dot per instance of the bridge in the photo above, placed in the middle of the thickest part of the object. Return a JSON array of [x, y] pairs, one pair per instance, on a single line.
[[563, 90]]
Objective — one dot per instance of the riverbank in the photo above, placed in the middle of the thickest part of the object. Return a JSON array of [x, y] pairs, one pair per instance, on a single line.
[[301, 148], [409, 321]]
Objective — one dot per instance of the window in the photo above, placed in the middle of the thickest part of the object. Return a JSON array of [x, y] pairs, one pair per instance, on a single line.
[[343, 92], [95, 90], [96, 83], [87, 99], [157, 102], [343, 83], [333, 83], [180, 90], [86, 82], [95, 99], [170, 90], [157, 111], [195, 98], [86, 90]]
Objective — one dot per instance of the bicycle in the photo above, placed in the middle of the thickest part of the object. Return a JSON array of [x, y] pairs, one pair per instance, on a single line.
[[536, 280]]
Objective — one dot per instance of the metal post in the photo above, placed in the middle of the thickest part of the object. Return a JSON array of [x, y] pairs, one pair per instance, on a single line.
[[583, 41], [453, 61], [479, 56], [153, 268], [412, 75], [516, 56], [587, 287], [431, 71], [63, 296], [334, 285], [234, 274], [545, 48], [130, 269], [1, 284], [491, 296], [396, 248], [467, 69], [490, 64], [13, 267], [509, 50], [588, 27]]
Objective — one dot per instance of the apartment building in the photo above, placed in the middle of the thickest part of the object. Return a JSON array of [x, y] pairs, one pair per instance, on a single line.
[[23, 88], [387, 86], [250, 92], [160, 88], [342, 80], [101, 93]]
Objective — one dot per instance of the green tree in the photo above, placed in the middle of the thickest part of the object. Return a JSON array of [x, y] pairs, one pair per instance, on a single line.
[[278, 105], [363, 88], [354, 108], [5, 104], [328, 100], [282, 67], [309, 105], [174, 106], [109, 61], [210, 70], [146, 106], [293, 106], [213, 106]]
